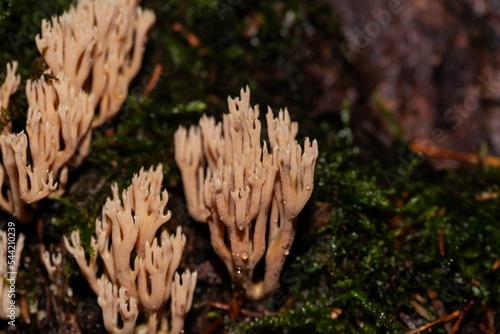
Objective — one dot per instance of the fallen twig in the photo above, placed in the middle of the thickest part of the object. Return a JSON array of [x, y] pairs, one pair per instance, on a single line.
[[153, 79], [226, 307], [435, 322], [441, 241], [441, 153], [461, 316]]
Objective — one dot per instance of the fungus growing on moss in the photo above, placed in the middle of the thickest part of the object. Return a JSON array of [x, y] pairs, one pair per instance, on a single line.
[[249, 195]]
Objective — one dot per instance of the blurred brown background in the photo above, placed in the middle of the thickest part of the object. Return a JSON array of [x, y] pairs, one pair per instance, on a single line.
[[432, 64]]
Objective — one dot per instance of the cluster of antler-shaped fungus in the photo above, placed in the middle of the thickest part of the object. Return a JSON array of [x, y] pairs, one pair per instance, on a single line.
[[125, 236], [58, 133], [99, 45], [93, 51], [249, 195], [10, 198]]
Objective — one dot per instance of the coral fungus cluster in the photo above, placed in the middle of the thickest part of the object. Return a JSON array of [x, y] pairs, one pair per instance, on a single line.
[[250, 192]]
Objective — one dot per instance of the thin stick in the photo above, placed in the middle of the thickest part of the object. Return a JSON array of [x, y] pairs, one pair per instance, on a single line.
[[441, 153], [441, 241], [226, 307], [153, 79], [438, 321], [461, 316]]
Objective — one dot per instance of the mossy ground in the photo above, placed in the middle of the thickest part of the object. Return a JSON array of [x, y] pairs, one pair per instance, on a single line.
[[381, 242]]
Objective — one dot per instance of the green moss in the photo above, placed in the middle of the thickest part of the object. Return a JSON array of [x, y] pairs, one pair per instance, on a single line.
[[19, 24], [367, 260], [381, 247]]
